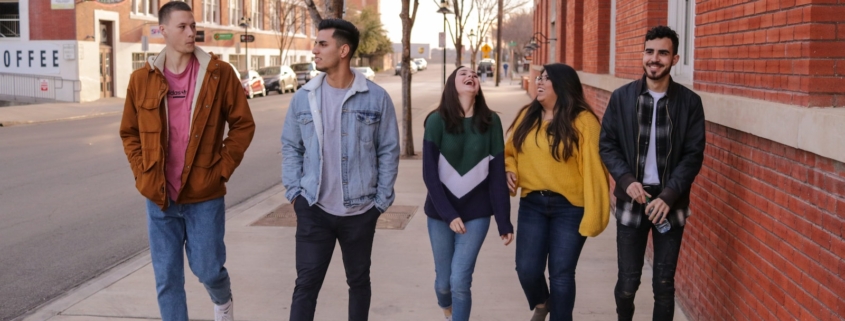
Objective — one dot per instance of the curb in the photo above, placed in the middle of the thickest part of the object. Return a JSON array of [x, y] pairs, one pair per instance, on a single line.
[[33, 122]]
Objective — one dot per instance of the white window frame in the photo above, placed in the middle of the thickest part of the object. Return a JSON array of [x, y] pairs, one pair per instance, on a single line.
[[145, 7], [214, 15], [682, 20], [235, 12], [257, 14], [290, 26], [275, 24], [302, 12]]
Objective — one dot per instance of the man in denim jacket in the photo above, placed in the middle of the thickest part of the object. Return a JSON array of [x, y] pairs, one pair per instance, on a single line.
[[340, 157]]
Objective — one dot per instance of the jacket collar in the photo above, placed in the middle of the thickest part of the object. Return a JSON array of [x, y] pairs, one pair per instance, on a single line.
[[157, 62], [643, 85], [359, 84]]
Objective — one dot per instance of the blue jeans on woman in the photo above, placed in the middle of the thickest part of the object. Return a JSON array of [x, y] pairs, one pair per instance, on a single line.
[[198, 229], [454, 261], [547, 227]]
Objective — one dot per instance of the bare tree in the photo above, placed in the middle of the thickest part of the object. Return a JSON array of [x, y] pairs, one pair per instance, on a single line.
[[462, 14], [285, 21], [408, 17], [331, 9], [517, 28], [487, 12]]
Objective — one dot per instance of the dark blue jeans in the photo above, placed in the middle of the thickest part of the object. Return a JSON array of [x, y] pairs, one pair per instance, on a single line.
[[630, 246], [195, 230], [317, 232], [547, 227]]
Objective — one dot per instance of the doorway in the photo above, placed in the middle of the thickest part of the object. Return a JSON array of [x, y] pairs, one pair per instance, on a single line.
[[106, 60]]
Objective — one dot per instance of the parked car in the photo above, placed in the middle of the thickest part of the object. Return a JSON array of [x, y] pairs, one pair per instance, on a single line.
[[278, 78], [486, 66], [421, 63], [252, 83], [304, 72], [399, 68], [368, 72]]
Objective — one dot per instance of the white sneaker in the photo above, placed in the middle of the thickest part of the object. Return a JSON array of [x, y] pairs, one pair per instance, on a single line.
[[225, 312]]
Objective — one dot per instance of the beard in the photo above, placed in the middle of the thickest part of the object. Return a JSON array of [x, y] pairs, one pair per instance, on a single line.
[[656, 75]]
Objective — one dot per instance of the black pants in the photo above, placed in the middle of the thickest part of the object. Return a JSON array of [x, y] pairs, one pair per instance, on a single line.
[[630, 246], [316, 234]]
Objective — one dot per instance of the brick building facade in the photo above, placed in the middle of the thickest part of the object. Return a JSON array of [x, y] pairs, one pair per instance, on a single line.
[[97, 44], [767, 236]]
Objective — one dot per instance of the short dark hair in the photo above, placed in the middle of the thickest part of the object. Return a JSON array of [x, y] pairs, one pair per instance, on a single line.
[[167, 8], [663, 32], [344, 32]]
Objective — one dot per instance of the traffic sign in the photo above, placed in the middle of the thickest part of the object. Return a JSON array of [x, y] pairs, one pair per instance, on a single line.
[[485, 48], [223, 36], [512, 43], [247, 38]]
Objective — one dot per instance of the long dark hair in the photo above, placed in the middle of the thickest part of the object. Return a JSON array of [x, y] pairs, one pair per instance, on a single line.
[[453, 114], [570, 102]]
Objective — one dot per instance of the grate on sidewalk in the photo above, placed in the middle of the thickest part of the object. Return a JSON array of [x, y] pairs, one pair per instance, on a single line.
[[396, 217]]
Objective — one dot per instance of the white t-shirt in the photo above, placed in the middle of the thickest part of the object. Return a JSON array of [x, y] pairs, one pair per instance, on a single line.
[[651, 176]]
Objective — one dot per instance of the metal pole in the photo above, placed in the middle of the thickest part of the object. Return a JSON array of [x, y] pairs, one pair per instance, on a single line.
[[246, 32], [444, 51], [499, 44]]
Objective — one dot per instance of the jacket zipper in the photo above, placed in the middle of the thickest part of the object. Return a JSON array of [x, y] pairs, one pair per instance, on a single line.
[[669, 118]]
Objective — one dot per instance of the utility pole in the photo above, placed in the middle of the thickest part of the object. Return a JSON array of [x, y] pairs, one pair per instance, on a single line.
[[499, 44]]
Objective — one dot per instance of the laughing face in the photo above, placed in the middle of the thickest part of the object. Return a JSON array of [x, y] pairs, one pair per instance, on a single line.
[[658, 58], [466, 81], [545, 93]]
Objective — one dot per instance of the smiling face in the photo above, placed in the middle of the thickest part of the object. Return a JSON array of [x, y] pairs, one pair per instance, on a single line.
[[658, 58], [179, 31], [545, 93], [466, 81], [327, 51]]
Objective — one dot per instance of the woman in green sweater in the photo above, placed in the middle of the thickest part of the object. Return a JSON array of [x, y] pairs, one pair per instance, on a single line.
[[464, 171]]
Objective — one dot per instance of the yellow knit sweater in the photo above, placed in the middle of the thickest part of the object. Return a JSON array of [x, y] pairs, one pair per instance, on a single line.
[[582, 179]]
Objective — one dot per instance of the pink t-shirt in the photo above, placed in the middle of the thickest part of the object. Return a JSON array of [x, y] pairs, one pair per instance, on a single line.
[[179, 99]]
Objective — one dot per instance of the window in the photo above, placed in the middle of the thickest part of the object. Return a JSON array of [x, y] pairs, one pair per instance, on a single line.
[[10, 20], [274, 15], [302, 59], [257, 14], [313, 30], [256, 62], [552, 32], [290, 14], [210, 10], [275, 60], [145, 7], [302, 12], [235, 12], [682, 20], [140, 58]]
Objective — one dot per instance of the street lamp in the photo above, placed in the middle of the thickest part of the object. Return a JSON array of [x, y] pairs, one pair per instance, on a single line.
[[444, 9], [245, 23]]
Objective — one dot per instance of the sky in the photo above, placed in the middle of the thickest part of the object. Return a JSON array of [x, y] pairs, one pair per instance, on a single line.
[[428, 25]]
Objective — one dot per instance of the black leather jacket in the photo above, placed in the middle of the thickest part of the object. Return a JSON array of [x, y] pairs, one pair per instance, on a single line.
[[620, 129]]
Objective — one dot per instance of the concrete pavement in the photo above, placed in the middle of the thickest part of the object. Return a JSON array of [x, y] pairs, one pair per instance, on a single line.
[[40, 113], [261, 264]]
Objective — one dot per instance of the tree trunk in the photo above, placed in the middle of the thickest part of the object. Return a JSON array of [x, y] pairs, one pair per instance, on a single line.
[[408, 18], [334, 9], [316, 18]]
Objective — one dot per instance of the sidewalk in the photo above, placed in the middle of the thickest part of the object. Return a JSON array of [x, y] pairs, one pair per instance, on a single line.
[[261, 265], [40, 113]]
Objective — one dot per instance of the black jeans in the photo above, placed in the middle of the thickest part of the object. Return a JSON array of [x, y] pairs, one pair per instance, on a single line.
[[316, 234], [630, 247]]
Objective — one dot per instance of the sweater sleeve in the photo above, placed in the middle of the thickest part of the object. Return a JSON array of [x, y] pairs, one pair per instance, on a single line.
[[431, 169], [498, 184], [596, 187]]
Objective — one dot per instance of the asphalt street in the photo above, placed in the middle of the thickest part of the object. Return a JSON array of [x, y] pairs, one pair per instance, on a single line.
[[69, 208]]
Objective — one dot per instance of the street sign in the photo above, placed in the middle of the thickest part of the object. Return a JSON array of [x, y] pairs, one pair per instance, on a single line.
[[247, 38], [485, 48], [441, 41], [223, 36], [44, 85], [512, 43], [200, 37]]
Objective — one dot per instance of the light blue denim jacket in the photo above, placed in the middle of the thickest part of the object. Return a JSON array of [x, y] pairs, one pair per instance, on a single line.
[[370, 160]]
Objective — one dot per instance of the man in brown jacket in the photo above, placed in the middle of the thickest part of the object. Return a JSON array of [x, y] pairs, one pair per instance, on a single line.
[[172, 129]]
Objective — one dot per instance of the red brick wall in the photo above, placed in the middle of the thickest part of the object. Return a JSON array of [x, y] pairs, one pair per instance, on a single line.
[[574, 33], [766, 237], [597, 98], [596, 36], [49, 24], [633, 19], [785, 51]]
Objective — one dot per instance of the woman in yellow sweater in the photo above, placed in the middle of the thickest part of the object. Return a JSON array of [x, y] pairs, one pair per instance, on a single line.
[[552, 154]]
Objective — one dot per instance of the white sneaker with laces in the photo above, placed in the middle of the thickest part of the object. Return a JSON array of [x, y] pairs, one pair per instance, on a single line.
[[225, 312]]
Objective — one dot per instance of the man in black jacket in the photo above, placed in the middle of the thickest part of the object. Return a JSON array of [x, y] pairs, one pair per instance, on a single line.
[[652, 142]]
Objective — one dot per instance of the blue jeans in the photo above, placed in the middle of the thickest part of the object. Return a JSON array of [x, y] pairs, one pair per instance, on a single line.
[[454, 261], [198, 229], [547, 227]]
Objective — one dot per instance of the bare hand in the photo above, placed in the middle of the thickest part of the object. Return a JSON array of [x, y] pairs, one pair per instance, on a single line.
[[657, 210], [511, 181], [508, 238], [457, 226], [637, 193], [294, 201]]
